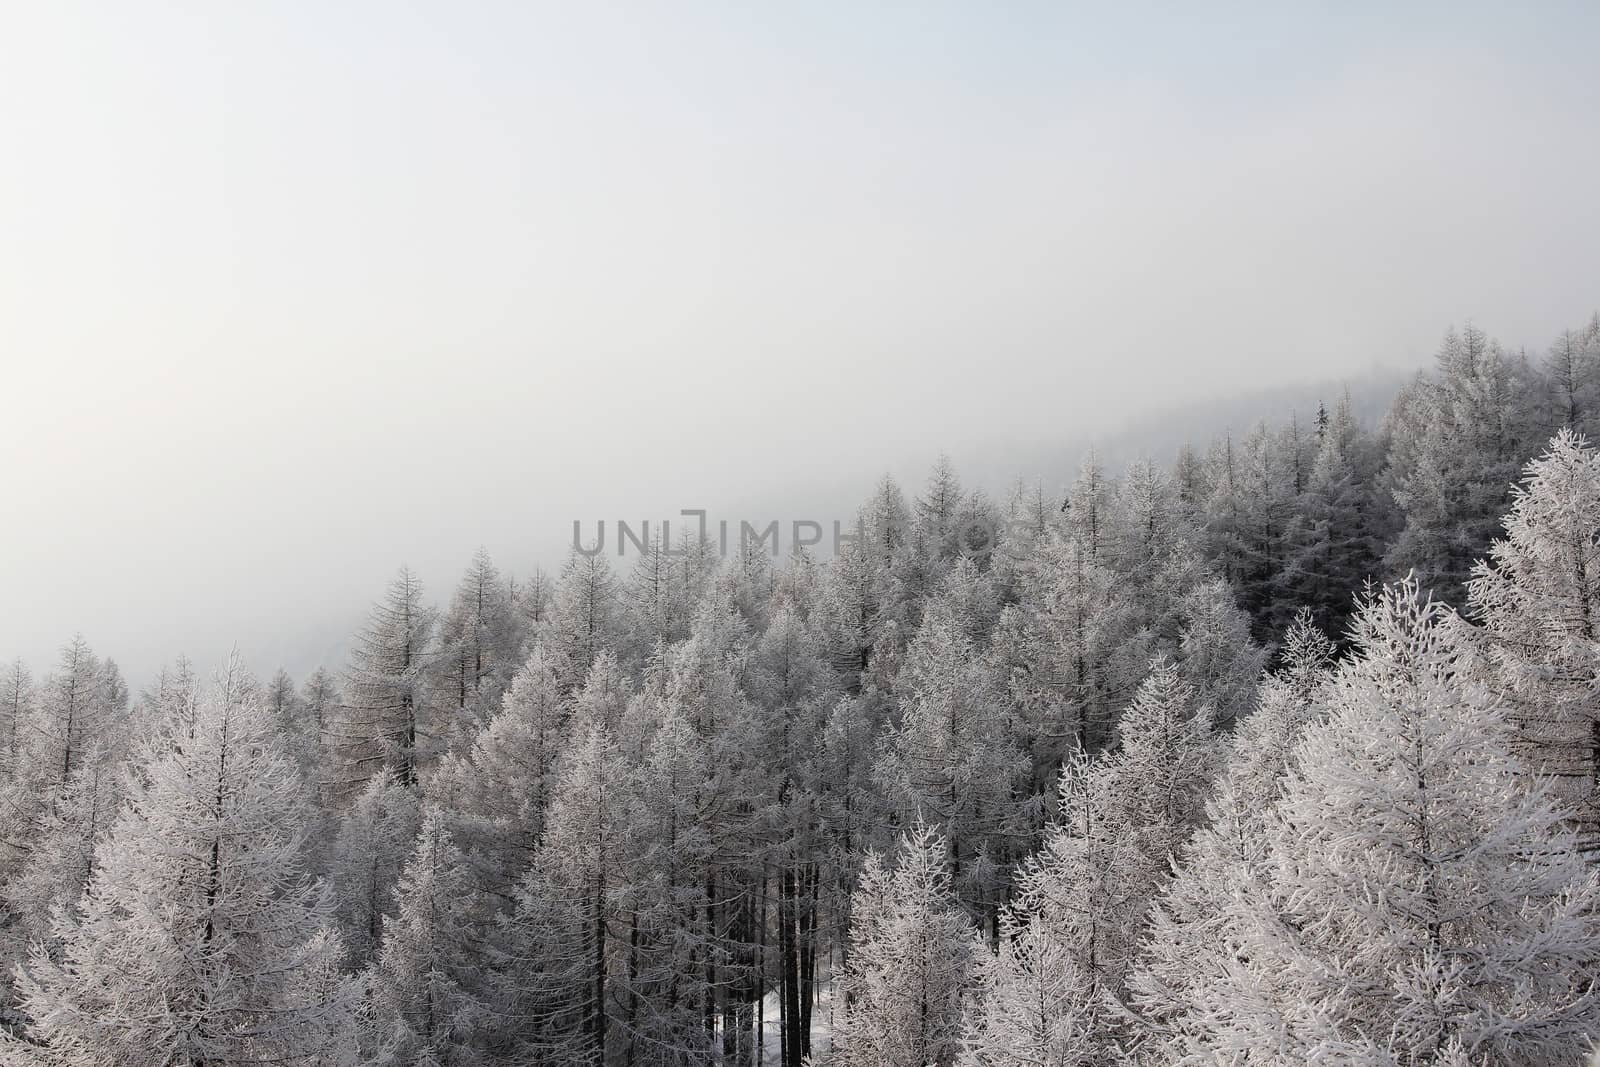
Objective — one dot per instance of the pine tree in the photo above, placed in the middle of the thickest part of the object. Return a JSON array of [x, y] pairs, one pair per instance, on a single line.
[[199, 926]]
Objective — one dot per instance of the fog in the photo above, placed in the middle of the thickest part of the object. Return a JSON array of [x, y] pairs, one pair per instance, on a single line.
[[291, 294]]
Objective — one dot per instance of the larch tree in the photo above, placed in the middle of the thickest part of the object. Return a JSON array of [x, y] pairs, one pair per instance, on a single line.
[[1572, 369], [1076, 648], [1081, 901], [1417, 900], [424, 984], [16, 713], [1217, 654], [662, 982], [384, 720], [73, 713], [1090, 509], [585, 616], [375, 834], [293, 723], [952, 762], [321, 701], [567, 913], [495, 792], [1343, 523], [655, 596], [1184, 950], [937, 509], [603, 697], [479, 644], [1457, 440], [61, 857], [200, 924], [1033, 1006], [1161, 769], [912, 955], [1538, 598]]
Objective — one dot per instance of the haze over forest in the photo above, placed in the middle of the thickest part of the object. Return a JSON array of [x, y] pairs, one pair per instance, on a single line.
[[289, 296]]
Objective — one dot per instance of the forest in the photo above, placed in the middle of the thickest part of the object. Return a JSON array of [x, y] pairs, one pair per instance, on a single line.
[[1282, 750]]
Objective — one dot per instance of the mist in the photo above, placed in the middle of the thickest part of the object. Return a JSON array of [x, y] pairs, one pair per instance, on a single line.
[[292, 295]]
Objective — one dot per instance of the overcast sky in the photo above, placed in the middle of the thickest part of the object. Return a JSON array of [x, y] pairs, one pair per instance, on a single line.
[[292, 293]]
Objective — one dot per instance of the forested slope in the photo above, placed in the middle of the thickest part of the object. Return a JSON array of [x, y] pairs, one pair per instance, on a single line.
[[1284, 752]]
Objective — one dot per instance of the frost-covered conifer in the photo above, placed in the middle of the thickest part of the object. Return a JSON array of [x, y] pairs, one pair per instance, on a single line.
[[199, 929], [1538, 597], [912, 954], [1415, 895]]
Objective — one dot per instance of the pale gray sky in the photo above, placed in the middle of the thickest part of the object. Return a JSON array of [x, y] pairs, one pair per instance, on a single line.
[[290, 293]]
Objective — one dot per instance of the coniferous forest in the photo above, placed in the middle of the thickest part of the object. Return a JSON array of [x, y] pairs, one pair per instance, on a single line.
[[1281, 750]]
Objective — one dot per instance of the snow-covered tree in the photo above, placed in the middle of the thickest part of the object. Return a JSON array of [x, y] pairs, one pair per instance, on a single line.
[[951, 761], [375, 835], [384, 720], [1090, 509], [1457, 441], [1572, 370], [1538, 597], [73, 714], [1184, 950], [912, 955], [585, 618], [656, 597], [567, 908], [479, 638], [1076, 649], [1034, 1006], [1217, 654], [423, 982], [1416, 896], [200, 930], [61, 856], [1123, 819], [1337, 543], [495, 793], [16, 713]]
